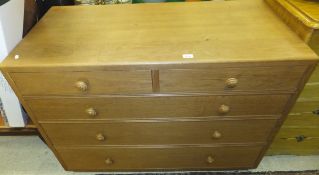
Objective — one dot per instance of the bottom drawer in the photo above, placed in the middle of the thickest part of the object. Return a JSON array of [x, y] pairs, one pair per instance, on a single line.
[[292, 147], [144, 158], [296, 141]]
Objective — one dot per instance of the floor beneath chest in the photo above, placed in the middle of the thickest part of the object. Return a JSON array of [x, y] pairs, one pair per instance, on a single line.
[[28, 155]]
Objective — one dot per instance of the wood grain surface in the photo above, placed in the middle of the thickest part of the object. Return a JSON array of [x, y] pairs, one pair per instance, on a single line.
[[64, 83], [160, 132], [133, 158], [149, 107], [286, 142], [78, 36], [249, 79], [303, 18], [161, 72]]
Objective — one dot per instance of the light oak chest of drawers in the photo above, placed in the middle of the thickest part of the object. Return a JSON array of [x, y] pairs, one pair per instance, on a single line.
[[159, 86], [300, 132]]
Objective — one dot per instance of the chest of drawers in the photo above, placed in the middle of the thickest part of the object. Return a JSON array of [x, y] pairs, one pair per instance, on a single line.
[[300, 132], [159, 86]]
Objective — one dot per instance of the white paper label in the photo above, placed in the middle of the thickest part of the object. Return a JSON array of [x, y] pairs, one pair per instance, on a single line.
[[188, 56], [16, 57]]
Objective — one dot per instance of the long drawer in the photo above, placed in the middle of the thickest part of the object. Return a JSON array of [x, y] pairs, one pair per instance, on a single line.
[[135, 158], [156, 106], [82, 83], [296, 134], [314, 78], [296, 141], [160, 132], [302, 120], [306, 107], [231, 79], [310, 91]]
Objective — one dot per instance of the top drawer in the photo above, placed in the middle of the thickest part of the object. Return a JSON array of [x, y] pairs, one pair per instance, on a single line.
[[231, 79], [81, 83]]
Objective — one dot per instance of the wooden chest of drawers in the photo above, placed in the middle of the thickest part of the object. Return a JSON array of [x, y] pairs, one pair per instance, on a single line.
[[300, 132], [159, 86]]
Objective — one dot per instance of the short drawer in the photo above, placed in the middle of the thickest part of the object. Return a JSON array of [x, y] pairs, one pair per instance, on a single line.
[[143, 158], [231, 79], [160, 132], [156, 106], [82, 83]]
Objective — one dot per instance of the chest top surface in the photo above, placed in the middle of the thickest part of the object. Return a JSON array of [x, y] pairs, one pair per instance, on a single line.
[[310, 8], [306, 11], [199, 32]]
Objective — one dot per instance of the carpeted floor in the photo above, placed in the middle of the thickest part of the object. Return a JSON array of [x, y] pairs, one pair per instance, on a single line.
[[230, 173]]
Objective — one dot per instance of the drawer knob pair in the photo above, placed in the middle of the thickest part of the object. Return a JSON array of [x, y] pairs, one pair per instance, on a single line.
[[223, 109], [108, 161], [231, 82], [91, 112], [100, 137], [82, 86], [210, 159], [216, 135]]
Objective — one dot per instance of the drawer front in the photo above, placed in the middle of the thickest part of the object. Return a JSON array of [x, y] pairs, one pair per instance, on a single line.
[[315, 76], [296, 141], [83, 83], [310, 91], [231, 79], [306, 107], [291, 147], [302, 120], [159, 133], [291, 133], [156, 107], [130, 158]]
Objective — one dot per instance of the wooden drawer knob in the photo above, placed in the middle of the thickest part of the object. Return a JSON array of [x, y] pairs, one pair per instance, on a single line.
[[223, 109], [100, 137], [91, 112], [108, 161], [315, 112], [231, 82], [82, 86], [210, 159], [217, 135]]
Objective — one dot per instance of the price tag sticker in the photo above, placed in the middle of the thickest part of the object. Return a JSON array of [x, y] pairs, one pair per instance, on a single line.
[[16, 57], [188, 56]]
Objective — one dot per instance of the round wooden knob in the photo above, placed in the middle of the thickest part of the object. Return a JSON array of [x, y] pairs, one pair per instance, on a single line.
[[223, 109], [100, 137], [217, 135], [91, 112], [82, 86], [108, 161], [231, 82], [210, 159]]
